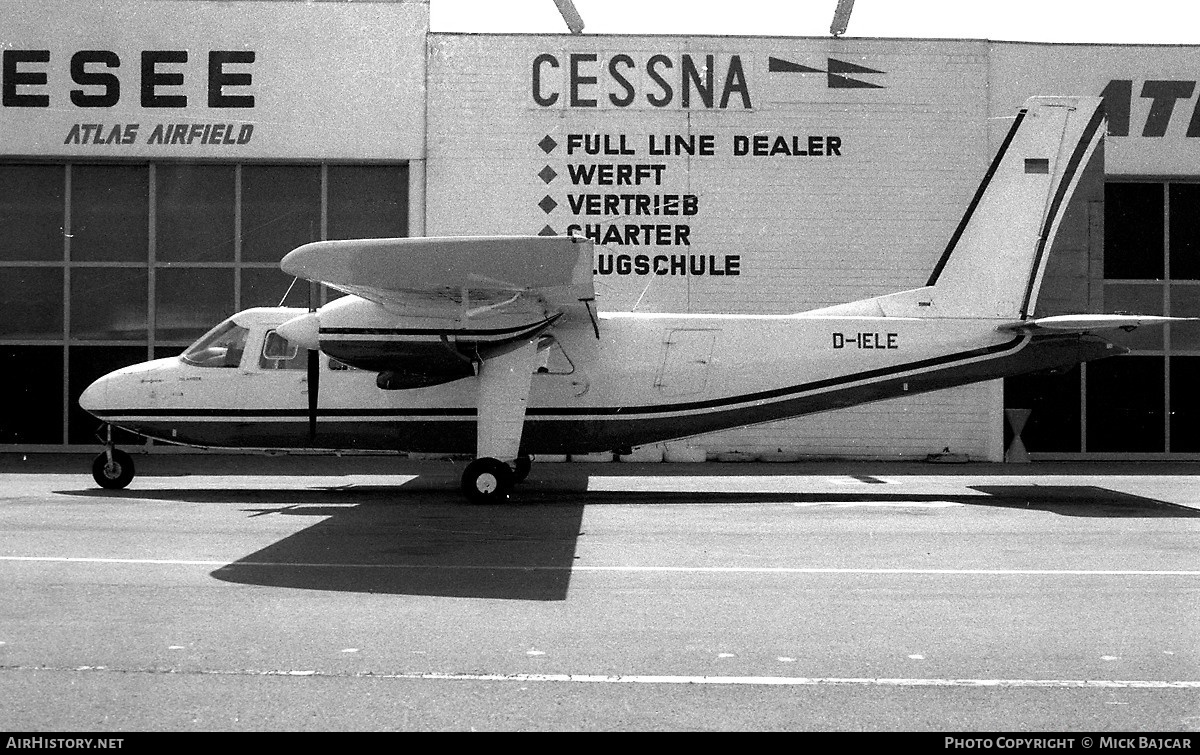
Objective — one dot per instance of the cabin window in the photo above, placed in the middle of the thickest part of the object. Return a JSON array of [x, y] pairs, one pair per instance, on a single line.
[[220, 347], [280, 354]]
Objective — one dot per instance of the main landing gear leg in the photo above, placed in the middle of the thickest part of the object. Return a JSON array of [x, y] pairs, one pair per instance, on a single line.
[[504, 381], [113, 468]]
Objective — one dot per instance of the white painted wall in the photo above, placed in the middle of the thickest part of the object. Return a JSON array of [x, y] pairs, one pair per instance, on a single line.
[[807, 231]]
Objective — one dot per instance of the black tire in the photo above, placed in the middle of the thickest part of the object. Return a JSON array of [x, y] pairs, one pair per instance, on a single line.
[[521, 467], [487, 481], [116, 475]]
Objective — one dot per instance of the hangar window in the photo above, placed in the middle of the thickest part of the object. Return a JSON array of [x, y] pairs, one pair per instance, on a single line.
[[1125, 407], [31, 212], [368, 201], [194, 213], [1054, 410], [1133, 230], [1185, 302], [270, 287], [110, 213], [281, 209], [37, 312], [33, 384], [1185, 231], [1185, 404], [187, 300], [1143, 402], [118, 261], [109, 303]]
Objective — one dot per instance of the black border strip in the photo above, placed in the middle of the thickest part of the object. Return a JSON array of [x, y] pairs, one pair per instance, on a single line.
[[966, 218], [1055, 207], [589, 411]]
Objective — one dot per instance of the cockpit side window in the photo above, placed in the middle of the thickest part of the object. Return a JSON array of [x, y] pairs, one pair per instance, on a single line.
[[220, 347], [280, 354]]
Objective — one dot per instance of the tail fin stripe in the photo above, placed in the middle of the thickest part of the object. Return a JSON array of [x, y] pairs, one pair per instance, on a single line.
[[966, 218], [1068, 178]]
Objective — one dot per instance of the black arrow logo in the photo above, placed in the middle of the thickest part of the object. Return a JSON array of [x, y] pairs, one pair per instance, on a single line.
[[835, 72]]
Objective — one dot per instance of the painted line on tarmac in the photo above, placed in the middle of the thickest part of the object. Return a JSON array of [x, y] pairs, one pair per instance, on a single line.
[[729, 484], [628, 569], [777, 681], [879, 504], [799, 681]]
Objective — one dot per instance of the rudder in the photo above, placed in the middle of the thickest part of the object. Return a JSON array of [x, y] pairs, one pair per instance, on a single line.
[[995, 260]]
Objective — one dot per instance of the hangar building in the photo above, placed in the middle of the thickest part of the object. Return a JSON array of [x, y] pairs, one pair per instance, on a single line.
[[159, 158]]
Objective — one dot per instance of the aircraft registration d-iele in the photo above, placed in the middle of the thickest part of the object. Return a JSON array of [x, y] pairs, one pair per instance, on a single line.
[[493, 346]]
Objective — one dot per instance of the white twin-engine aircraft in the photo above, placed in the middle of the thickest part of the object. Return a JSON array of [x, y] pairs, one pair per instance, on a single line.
[[493, 345]]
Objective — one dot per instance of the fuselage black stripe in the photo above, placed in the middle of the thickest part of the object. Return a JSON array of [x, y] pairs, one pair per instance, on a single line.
[[727, 401], [966, 218], [815, 385]]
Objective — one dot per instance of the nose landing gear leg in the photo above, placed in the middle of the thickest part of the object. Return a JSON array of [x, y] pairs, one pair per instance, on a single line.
[[113, 468]]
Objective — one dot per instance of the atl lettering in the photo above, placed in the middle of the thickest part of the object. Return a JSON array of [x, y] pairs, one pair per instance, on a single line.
[[1163, 94]]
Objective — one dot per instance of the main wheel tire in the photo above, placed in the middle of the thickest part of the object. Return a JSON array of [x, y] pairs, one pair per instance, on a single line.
[[113, 475], [521, 467], [487, 481]]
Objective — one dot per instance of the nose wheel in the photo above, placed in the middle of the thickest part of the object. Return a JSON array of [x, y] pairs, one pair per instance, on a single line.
[[113, 469]]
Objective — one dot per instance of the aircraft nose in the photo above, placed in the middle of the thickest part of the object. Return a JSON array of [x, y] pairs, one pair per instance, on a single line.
[[304, 331], [125, 388], [95, 397]]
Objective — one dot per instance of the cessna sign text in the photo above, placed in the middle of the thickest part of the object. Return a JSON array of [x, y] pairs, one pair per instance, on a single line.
[[585, 80]]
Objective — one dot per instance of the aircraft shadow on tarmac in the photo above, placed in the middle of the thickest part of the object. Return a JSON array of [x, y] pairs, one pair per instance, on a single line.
[[426, 545], [393, 540]]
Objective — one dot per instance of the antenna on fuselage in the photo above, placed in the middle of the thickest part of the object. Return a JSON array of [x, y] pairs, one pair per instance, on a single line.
[[288, 293]]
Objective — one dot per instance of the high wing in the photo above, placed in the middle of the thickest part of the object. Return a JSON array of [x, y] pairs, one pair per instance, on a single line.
[[390, 271], [426, 311], [439, 306]]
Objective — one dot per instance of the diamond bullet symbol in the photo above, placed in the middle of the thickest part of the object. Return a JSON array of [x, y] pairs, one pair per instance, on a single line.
[[547, 144], [547, 204], [547, 231], [547, 174]]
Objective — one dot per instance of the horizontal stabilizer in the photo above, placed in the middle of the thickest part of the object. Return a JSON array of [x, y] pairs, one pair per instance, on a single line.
[[378, 268], [1083, 323]]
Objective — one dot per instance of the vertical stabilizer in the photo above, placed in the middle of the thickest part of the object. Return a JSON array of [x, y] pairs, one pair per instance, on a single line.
[[995, 260]]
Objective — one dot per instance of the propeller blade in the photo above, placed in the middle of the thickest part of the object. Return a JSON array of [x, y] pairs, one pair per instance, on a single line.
[[314, 372], [314, 387]]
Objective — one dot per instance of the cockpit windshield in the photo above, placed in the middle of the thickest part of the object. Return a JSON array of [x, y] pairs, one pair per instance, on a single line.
[[220, 347]]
